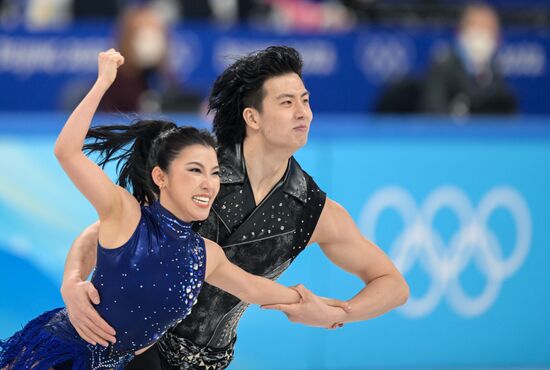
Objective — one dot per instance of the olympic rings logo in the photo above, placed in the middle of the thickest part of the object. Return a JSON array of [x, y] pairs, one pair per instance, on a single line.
[[474, 242]]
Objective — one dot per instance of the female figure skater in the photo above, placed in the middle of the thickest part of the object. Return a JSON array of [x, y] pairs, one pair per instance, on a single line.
[[150, 264]]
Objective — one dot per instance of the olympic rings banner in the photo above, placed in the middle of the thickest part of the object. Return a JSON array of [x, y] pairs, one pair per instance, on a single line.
[[474, 242], [462, 210]]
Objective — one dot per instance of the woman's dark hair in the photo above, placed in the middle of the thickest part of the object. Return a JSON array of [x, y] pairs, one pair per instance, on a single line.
[[139, 147], [241, 86]]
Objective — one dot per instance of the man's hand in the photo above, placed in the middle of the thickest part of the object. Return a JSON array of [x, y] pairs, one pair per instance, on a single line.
[[313, 310], [78, 296]]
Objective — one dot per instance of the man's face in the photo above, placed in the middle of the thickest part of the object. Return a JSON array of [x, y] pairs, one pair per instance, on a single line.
[[285, 115]]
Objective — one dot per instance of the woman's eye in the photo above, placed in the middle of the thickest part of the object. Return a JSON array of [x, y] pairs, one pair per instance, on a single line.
[[195, 170], [217, 173]]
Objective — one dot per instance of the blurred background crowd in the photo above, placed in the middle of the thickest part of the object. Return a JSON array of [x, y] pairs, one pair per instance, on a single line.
[[382, 56]]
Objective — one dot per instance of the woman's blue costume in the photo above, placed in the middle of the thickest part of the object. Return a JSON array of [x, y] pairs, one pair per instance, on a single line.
[[146, 286]]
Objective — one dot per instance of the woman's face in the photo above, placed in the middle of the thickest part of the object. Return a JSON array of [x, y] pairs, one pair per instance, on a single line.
[[191, 183]]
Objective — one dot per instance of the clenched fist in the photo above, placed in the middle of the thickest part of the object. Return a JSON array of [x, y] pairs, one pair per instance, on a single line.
[[108, 63]]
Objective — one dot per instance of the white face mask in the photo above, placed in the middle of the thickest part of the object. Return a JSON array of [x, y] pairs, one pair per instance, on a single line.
[[149, 47], [479, 45]]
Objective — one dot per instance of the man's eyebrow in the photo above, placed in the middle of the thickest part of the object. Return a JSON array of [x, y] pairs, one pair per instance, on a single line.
[[285, 95]]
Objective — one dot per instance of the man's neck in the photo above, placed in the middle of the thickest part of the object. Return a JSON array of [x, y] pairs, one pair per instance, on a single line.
[[264, 166]]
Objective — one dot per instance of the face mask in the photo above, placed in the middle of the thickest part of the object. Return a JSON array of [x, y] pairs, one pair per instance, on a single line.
[[149, 47], [479, 46]]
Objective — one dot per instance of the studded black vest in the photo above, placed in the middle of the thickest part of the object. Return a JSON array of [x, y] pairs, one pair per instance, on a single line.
[[263, 242]]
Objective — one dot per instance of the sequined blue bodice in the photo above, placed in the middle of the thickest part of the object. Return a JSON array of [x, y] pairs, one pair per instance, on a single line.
[[151, 282]]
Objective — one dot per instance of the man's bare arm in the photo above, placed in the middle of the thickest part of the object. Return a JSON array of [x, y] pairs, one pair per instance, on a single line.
[[342, 242], [78, 293], [82, 256]]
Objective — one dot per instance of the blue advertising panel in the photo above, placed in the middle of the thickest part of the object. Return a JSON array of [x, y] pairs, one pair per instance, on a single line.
[[51, 70], [461, 209]]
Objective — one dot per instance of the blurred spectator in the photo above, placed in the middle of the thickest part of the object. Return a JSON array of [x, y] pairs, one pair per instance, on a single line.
[[144, 83], [42, 14], [36, 15], [465, 79], [220, 11], [309, 15]]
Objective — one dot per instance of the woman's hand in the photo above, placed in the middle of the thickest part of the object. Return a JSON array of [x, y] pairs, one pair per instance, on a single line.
[[107, 64]]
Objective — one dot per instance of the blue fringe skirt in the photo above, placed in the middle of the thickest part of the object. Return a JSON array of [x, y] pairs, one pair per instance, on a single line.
[[50, 340]]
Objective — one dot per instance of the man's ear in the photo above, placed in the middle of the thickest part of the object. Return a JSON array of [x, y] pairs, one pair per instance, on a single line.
[[251, 118]]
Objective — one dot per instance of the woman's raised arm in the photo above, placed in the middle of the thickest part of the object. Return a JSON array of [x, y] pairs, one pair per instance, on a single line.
[[89, 178]]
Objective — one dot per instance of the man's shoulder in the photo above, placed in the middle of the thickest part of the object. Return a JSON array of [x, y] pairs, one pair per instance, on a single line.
[[303, 173], [300, 184]]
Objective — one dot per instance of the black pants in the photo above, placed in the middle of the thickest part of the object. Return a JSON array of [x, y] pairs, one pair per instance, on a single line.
[[149, 360]]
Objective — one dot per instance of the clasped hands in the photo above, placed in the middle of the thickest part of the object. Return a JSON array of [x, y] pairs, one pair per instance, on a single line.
[[313, 310]]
